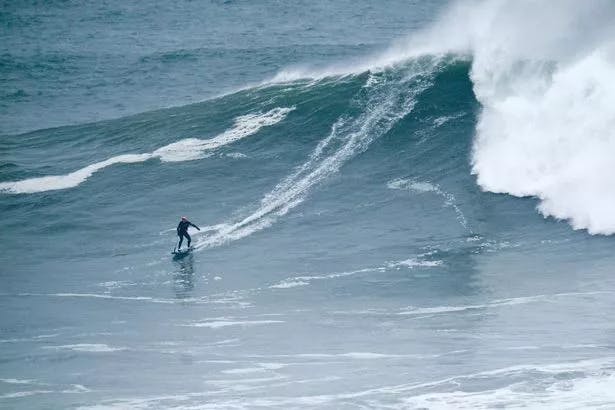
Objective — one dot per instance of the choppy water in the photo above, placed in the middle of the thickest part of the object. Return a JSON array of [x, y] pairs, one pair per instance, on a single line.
[[378, 201]]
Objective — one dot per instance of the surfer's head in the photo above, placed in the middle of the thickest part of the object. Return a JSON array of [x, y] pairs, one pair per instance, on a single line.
[[184, 218]]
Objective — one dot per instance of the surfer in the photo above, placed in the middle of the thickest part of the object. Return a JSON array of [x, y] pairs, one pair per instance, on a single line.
[[182, 230]]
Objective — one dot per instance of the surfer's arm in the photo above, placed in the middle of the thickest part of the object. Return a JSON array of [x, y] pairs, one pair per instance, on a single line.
[[195, 226]]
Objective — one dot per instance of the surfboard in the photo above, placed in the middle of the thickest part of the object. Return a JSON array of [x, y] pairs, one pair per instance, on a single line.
[[179, 253]]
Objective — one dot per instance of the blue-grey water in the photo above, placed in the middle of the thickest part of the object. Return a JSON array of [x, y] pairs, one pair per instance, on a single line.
[[350, 173]]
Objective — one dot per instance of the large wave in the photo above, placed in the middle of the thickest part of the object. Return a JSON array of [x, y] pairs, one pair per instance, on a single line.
[[543, 75]]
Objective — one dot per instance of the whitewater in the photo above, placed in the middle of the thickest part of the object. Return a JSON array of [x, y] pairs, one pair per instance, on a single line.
[[400, 207], [187, 149]]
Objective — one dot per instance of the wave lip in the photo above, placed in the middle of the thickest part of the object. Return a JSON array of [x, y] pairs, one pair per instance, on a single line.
[[187, 149]]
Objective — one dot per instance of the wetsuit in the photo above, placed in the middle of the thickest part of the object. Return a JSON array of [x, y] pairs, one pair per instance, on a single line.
[[182, 230]]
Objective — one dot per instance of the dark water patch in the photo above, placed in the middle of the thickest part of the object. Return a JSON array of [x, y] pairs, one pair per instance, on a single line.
[[170, 56], [15, 95]]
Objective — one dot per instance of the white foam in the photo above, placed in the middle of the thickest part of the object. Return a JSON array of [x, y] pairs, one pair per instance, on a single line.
[[115, 284], [18, 381], [76, 388], [413, 263], [583, 385], [440, 121], [245, 125], [183, 150], [412, 185], [272, 366], [216, 324], [46, 336], [556, 144], [577, 385], [87, 347], [107, 296], [357, 355], [423, 187], [72, 389], [244, 370], [368, 355], [24, 394], [236, 155], [307, 279], [29, 339], [544, 79], [287, 284], [233, 383], [262, 367], [49, 183], [496, 303], [93, 295]]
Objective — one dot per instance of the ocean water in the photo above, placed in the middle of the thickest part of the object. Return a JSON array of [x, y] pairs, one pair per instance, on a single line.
[[402, 205]]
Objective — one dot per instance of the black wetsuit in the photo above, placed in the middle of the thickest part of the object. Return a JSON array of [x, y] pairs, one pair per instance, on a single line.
[[182, 230]]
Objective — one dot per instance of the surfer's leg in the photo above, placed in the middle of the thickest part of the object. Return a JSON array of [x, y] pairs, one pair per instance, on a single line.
[[189, 238], [181, 239]]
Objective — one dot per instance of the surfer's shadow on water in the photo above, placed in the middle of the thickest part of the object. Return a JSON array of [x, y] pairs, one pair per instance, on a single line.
[[183, 276]]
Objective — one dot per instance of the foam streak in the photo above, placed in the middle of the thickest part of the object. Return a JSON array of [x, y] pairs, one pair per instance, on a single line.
[[383, 104], [183, 150]]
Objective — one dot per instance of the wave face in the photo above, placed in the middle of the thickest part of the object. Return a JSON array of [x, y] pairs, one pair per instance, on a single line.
[[385, 98], [370, 106]]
